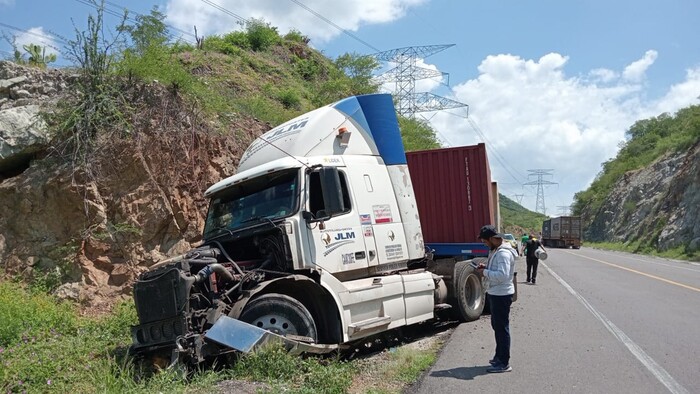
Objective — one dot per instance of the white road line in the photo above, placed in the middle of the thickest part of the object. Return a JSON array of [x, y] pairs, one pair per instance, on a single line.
[[664, 377]]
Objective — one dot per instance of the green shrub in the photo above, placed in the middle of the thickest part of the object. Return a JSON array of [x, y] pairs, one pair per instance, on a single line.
[[296, 36], [261, 35], [27, 316], [238, 39], [289, 98], [308, 69]]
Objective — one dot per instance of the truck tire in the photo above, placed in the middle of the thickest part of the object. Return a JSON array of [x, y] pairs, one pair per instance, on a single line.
[[281, 315], [469, 292]]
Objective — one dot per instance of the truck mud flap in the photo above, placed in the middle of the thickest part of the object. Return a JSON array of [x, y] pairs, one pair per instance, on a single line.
[[245, 338]]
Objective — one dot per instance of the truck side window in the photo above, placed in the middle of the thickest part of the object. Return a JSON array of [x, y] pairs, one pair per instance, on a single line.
[[316, 193]]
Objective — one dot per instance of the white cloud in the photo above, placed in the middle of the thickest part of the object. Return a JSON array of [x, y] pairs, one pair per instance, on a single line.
[[286, 15], [635, 72], [603, 75], [537, 117], [37, 35]]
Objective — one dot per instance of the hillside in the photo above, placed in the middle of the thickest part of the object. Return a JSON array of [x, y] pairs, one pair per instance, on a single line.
[[648, 197], [517, 220], [102, 166]]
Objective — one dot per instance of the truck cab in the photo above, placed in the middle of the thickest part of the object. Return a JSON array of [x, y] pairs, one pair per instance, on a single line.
[[317, 238]]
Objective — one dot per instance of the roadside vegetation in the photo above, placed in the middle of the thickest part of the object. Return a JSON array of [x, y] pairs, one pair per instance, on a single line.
[[678, 253], [46, 346], [51, 346], [648, 140]]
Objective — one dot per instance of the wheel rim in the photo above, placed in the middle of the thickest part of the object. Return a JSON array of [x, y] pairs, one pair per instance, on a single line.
[[472, 296], [276, 323]]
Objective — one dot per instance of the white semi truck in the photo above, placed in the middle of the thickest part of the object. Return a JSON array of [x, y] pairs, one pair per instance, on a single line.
[[315, 241]]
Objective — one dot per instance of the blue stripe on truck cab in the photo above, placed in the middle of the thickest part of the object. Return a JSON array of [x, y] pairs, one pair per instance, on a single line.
[[376, 114]]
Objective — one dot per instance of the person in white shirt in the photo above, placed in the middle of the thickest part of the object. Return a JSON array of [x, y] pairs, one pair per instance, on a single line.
[[498, 278]]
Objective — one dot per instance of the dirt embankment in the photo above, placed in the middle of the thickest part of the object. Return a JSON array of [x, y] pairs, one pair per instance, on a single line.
[[139, 200]]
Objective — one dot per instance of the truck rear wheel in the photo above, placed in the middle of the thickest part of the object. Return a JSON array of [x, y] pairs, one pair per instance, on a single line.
[[469, 292], [281, 315]]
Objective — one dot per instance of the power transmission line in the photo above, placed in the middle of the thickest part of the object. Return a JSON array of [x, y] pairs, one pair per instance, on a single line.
[[170, 27], [330, 22], [52, 38], [132, 20], [225, 11], [540, 183], [490, 147]]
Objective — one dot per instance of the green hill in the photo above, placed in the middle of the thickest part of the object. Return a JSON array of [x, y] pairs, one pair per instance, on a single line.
[[516, 219]]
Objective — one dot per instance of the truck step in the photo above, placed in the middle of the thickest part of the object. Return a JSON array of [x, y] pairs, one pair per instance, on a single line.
[[440, 307], [369, 324]]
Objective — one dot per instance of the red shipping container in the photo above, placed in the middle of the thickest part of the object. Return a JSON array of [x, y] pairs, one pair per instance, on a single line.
[[453, 191]]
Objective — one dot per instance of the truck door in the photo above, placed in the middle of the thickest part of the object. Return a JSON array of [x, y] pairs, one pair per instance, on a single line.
[[336, 244]]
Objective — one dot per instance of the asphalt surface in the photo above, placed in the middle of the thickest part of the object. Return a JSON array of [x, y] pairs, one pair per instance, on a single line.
[[595, 322]]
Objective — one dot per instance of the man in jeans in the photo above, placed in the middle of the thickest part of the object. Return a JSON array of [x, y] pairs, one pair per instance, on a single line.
[[498, 277], [531, 259]]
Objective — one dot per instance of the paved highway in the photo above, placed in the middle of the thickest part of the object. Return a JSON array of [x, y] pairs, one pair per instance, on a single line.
[[596, 322]]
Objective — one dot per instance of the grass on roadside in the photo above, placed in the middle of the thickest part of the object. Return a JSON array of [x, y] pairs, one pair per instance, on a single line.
[[396, 368], [45, 346], [678, 253]]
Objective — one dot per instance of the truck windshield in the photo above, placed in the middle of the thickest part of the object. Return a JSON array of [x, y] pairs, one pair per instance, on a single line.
[[268, 196]]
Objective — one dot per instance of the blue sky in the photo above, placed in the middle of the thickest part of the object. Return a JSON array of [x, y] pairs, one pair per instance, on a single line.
[[550, 84]]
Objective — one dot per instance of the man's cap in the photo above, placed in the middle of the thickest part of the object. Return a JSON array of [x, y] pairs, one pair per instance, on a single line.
[[489, 231]]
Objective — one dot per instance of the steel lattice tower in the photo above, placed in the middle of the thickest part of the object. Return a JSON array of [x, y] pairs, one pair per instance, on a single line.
[[406, 73], [540, 183]]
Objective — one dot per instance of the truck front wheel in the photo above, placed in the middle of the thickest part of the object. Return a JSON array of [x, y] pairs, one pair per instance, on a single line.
[[469, 292], [281, 315]]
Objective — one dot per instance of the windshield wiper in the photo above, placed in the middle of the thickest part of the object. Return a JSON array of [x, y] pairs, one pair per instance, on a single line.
[[217, 229], [258, 219]]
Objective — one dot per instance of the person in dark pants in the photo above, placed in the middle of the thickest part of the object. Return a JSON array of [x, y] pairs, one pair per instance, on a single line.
[[498, 278], [531, 259]]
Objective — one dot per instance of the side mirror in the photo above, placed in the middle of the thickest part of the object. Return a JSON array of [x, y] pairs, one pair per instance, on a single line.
[[332, 191]]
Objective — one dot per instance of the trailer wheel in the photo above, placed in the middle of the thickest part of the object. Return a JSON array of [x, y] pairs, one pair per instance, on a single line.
[[281, 315], [469, 292]]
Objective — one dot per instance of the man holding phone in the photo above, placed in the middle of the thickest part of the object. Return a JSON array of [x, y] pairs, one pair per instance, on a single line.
[[498, 278]]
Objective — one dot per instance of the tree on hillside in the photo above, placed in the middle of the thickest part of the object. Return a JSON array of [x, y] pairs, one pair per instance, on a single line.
[[149, 31], [359, 68]]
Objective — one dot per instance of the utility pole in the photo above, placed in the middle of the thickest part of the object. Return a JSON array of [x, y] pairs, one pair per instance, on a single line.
[[540, 182], [519, 198], [405, 74]]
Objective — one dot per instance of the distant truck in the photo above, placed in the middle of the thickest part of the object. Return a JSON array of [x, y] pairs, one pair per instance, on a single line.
[[328, 233], [562, 232]]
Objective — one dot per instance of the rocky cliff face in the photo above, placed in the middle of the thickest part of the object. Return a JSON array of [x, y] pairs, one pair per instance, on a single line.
[[141, 201], [656, 206]]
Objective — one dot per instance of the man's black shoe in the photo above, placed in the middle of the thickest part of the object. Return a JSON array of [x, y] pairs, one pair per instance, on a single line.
[[499, 368], [494, 361]]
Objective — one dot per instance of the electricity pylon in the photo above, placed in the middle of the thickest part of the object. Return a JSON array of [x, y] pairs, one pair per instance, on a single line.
[[540, 183], [406, 73]]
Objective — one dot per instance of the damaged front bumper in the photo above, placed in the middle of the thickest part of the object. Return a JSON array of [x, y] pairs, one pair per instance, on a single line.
[[225, 336]]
